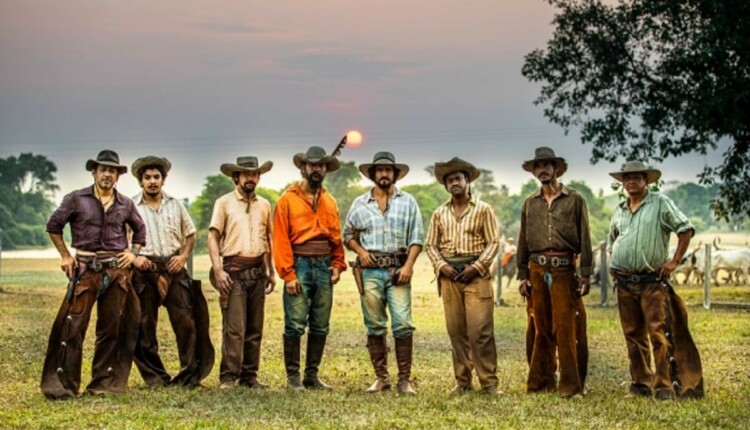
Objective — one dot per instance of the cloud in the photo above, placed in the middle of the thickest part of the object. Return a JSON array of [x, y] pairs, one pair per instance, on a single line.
[[332, 64]]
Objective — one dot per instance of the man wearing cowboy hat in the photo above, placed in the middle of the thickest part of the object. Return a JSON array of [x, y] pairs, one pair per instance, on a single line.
[[241, 234], [99, 273], [554, 233], [309, 257], [462, 243], [384, 228], [160, 278], [649, 307]]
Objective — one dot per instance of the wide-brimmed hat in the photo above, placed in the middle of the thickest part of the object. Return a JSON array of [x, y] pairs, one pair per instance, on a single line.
[[545, 153], [246, 164], [384, 158], [315, 155], [652, 175], [150, 160], [107, 157], [455, 165]]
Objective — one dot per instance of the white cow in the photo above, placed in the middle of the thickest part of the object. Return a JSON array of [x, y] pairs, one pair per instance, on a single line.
[[733, 261]]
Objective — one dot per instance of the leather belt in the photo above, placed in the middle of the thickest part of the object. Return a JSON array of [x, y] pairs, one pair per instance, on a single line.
[[251, 273], [553, 261], [638, 278], [96, 265], [388, 259]]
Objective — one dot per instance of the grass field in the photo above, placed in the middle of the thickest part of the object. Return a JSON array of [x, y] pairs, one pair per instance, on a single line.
[[32, 290]]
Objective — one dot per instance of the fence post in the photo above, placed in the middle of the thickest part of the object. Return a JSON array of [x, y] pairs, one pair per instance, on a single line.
[[707, 278], [499, 289], [603, 274]]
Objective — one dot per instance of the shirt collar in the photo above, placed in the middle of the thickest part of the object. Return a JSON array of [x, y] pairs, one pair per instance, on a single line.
[[472, 201], [138, 199], [371, 194], [563, 190], [239, 196], [625, 204], [89, 191]]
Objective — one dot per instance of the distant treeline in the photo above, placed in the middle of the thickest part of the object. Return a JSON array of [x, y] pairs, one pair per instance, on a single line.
[[28, 183]]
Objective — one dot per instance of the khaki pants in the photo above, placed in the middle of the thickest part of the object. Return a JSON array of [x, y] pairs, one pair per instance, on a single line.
[[469, 319]]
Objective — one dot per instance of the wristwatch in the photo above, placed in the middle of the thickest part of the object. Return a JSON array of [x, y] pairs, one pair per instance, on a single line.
[[135, 251]]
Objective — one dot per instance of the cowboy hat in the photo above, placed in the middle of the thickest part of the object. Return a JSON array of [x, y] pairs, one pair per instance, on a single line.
[[544, 153], [455, 165], [315, 155], [246, 164], [107, 157], [150, 160], [652, 175], [384, 158]]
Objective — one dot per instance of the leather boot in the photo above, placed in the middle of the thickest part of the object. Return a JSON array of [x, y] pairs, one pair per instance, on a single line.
[[291, 361], [404, 347], [315, 346], [378, 348]]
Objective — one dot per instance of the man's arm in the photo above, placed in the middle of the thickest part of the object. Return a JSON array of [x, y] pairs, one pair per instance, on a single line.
[[177, 262], [68, 264], [223, 283], [683, 241], [268, 256]]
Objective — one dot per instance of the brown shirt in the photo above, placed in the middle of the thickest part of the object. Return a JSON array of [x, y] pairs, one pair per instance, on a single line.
[[244, 227], [91, 227], [563, 226], [473, 234]]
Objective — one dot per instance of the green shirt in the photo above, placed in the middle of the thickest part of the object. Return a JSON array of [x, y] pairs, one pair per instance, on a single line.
[[639, 240]]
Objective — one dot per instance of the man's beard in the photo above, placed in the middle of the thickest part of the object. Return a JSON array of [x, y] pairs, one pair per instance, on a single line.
[[384, 183], [457, 191], [314, 179], [152, 194], [248, 187]]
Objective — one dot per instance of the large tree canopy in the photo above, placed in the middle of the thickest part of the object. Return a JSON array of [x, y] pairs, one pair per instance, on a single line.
[[651, 79]]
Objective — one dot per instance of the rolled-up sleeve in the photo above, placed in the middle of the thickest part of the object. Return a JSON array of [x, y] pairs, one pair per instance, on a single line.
[[62, 215], [490, 231], [672, 218], [416, 230]]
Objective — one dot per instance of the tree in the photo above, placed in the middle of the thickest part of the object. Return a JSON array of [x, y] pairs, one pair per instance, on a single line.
[[26, 184], [343, 185], [651, 79], [28, 173]]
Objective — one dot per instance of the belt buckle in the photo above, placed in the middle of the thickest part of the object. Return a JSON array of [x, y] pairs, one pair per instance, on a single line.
[[384, 261], [256, 272], [635, 279], [96, 266]]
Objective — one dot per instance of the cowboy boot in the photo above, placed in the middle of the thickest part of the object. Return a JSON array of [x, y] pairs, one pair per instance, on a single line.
[[379, 357], [404, 358], [291, 361], [315, 346]]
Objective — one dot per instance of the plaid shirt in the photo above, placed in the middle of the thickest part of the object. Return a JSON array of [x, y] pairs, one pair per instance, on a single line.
[[397, 229]]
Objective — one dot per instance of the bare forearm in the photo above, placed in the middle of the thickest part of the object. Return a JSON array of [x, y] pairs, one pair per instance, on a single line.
[[59, 242], [213, 249], [189, 245]]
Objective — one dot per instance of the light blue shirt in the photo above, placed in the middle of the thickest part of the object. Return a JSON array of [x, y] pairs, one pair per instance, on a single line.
[[398, 228]]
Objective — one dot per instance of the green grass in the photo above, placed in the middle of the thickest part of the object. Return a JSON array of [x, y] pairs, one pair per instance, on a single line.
[[33, 289]]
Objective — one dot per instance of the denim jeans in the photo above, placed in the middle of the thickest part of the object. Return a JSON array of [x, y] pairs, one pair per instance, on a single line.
[[381, 293], [312, 306]]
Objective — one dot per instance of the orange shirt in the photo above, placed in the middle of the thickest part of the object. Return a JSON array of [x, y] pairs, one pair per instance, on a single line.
[[294, 223]]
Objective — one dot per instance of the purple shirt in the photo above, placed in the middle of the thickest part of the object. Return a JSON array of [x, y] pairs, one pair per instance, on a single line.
[[92, 228]]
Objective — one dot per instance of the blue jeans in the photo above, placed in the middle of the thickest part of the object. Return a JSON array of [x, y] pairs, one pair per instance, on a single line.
[[312, 306], [381, 293]]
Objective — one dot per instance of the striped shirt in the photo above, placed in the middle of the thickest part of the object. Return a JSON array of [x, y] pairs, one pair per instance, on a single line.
[[166, 226], [639, 240], [473, 234], [396, 229], [244, 227]]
